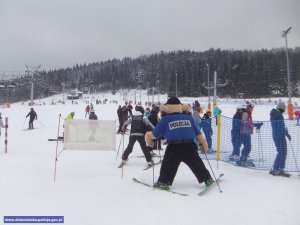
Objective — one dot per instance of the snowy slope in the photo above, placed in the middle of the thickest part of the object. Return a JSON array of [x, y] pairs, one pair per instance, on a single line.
[[89, 188]]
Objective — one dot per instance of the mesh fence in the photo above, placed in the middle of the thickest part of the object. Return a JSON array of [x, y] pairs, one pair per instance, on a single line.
[[263, 150]]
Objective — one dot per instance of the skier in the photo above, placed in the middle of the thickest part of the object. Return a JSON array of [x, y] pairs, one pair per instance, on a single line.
[[196, 105], [129, 107], [70, 116], [87, 110], [180, 130], [206, 127], [147, 112], [154, 118], [246, 130], [197, 120], [235, 133], [137, 132], [92, 125], [120, 116], [279, 132], [92, 115], [32, 116], [297, 115]]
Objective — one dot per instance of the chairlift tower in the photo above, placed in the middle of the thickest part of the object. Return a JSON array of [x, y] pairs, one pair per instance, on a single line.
[[215, 88], [32, 71]]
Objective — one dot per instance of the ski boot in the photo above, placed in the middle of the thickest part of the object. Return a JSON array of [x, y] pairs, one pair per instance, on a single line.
[[209, 182], [162, 186]]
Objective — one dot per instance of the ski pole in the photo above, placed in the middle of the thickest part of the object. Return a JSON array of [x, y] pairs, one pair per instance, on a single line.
[[56, 156], [294, 157], [153, 175], [24, 121], [157, 148], [41, 123], [123, 153], [213, 173], [119, 147]]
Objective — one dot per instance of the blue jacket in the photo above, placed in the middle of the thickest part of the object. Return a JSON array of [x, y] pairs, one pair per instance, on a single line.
[[277, 123], [206, 124], [176, 127]]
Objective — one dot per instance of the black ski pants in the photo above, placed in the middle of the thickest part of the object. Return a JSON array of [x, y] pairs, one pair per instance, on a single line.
[[183, 152], [141, 140]]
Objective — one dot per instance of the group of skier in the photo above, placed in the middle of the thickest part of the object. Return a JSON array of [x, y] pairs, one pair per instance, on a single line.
[[182, 131], [242, 129]]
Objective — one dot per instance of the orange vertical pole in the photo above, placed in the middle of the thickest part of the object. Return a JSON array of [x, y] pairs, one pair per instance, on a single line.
[[290, 111]]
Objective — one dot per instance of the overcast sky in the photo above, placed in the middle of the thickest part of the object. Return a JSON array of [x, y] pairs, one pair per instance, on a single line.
[[61, 33]]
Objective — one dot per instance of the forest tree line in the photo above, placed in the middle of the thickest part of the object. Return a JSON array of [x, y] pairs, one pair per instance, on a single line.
[[253, 74]]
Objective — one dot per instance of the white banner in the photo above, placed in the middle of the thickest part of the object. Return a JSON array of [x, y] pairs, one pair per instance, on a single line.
[[90, 134]]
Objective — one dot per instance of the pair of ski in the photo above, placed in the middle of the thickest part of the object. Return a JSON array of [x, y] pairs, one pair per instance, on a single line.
[[203, 191], [148, 167]]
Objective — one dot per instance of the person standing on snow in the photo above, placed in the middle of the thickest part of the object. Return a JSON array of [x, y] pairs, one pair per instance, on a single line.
[[279, 132], [154, 118], [297, 115], [92, 125], [196, 105], [197, 119], [139, 125], [70, 116], [206, 127], [180, 130], [32, 116], [246, 131], [236, 133], [93, 115], [120, 116], [87, 110]]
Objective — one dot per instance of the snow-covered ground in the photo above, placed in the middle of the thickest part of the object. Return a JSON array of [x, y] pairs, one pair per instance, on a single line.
[[89, 188]]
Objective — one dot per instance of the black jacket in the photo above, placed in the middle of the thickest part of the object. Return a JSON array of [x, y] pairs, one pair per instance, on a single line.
[[32, 115], [93, 116]]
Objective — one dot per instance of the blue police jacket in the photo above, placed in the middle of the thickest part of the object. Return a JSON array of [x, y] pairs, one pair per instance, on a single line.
[[176, 127]]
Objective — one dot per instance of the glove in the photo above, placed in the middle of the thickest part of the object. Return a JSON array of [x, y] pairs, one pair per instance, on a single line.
[[149, 139], [258, 125], [202, 143]]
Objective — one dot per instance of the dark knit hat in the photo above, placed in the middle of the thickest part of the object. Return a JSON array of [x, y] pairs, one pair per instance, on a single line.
[[140, 109], [173, 101]]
